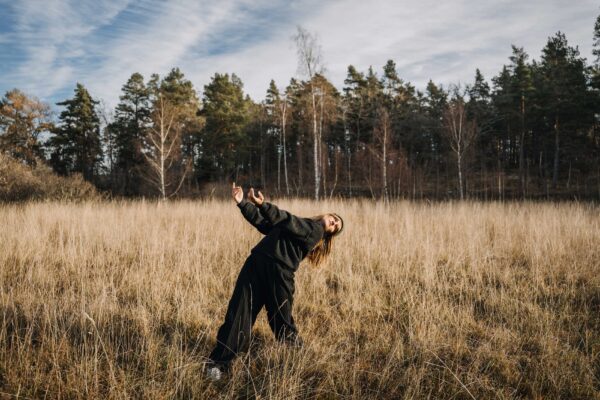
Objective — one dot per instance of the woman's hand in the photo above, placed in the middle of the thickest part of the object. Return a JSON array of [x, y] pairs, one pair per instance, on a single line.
[[237, 193], [256, 199]]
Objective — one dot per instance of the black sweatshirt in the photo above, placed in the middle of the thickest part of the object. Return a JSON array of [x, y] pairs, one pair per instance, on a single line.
[[288, 238]]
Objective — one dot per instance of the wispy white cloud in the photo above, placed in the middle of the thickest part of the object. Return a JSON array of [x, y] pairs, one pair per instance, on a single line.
[[49, 45], [201, 38], [156, 43], [51, 35], [444, 41]]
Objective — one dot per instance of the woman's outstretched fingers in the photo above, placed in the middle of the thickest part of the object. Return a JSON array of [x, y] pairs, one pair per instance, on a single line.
[[253, 197], [237, 193]]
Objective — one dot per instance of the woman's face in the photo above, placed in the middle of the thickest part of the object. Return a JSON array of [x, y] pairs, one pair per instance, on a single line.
[[331, 223]]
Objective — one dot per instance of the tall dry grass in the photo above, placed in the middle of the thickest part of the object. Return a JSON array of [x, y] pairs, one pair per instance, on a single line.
[[452, 301]]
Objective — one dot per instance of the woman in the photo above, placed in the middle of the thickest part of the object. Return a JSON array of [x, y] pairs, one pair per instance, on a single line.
[[267, 277]]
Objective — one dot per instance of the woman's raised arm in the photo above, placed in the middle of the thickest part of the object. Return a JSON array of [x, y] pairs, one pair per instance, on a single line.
[[252, 215], [296, 226], [301, 228], [249, 211]]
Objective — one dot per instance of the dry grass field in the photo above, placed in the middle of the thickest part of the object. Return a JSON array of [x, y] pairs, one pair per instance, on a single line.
[[442, 301]]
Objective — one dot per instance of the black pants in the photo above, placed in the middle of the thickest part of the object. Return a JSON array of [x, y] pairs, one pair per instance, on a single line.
[[261, 282]]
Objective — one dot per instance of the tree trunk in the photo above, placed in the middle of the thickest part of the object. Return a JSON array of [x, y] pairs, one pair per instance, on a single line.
[[522, 149], [300, 166], [322, 160], [163, 189], [348, 154], [598, 182], [384, 164], [315, 146], [279, 163], [569, 177], [437, 176], [556, 152], [485, 182], [262, 159], [285, 170], [460, 177], [335, 177], [399, 176]]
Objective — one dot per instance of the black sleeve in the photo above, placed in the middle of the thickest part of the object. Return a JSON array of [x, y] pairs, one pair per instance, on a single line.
[[288, 222], [252, 215]]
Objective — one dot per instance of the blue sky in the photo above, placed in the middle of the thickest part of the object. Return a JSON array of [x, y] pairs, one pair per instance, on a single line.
[[46, 46]]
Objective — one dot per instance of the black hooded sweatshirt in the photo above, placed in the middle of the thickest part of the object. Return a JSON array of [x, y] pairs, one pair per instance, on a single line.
[[288, 238]]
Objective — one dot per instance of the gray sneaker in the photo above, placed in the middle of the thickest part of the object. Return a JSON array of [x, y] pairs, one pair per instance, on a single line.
[[213, 372]]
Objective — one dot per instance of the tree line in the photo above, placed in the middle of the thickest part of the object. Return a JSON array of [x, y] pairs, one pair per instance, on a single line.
[[529, 132]]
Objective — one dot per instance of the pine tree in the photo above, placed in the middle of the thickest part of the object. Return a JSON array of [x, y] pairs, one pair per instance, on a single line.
[[479, 94], [354, 98], [502, 125], [565, 93], [373, 97], [479, 110], [132, 120], [522, 92], [226, 112], [299, 137], [400, 99], [75, 144], [179, 91], [391, 82], [435, 103], [595, 98], [596, 53]]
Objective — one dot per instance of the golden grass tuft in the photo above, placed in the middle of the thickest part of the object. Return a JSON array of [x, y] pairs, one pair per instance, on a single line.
[[449, 301]]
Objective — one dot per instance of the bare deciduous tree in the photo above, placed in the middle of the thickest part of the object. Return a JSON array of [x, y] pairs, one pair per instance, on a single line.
[[460, 132], [279, 110], [310, 64], [283, 109], [382, 132], [163, 153], [106, 117]]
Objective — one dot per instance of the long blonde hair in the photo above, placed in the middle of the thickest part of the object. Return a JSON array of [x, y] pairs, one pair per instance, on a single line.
[[322, 249]]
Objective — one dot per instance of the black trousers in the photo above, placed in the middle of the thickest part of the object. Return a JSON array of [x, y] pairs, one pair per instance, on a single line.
[[261, 282]]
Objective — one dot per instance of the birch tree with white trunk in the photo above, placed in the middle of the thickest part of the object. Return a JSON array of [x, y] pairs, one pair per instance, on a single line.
[[310, 64], [461, 134], [163, 149]]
